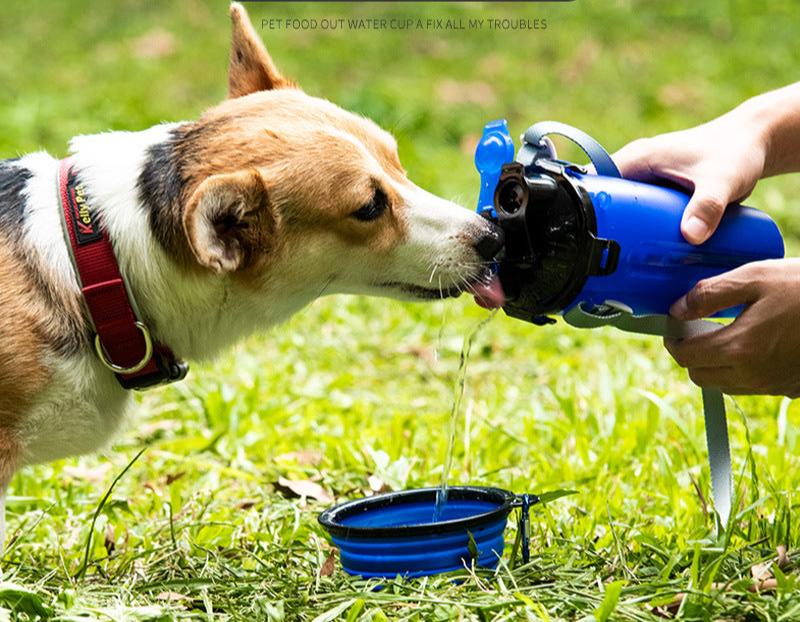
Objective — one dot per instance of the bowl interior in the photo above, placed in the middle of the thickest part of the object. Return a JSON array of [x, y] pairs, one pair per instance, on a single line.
[[417, 513], [410, 512]]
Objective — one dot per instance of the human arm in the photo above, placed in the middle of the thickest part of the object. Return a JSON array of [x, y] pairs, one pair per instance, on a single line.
[[721, 161]]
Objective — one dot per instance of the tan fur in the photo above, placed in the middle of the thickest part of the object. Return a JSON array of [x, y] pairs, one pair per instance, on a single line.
[[23, 344], [251, 68], [314, 182]]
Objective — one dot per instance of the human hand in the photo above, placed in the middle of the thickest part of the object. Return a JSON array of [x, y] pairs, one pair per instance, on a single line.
[[759, 352], [718, 162]]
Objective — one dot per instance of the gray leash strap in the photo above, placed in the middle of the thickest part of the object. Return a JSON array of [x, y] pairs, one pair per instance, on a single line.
[[719, 452]]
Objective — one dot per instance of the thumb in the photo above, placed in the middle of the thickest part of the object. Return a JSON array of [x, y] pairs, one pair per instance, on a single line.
[[707, 297], [703, 213]]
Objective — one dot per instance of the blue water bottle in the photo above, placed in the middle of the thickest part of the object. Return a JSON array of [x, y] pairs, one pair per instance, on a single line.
[[594, 239]]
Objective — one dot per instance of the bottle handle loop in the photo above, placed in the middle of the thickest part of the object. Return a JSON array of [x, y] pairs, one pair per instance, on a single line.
[[535, 146]]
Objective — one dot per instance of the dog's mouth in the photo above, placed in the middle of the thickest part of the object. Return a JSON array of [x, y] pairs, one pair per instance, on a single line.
[[423, 293], [485, 287]]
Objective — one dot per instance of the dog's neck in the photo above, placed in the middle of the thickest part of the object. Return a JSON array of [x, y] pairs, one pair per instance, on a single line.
[[195, 313]]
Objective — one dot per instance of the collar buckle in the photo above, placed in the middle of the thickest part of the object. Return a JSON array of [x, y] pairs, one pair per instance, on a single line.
[[168, 369]]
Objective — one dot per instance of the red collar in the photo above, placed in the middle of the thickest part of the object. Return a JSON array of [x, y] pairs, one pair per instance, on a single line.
[[122, 340]]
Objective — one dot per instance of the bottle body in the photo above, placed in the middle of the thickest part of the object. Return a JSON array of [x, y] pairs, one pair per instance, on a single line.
[[656, 265]]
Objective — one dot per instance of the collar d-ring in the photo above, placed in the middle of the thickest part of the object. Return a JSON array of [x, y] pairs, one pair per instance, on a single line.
[[117, 369]]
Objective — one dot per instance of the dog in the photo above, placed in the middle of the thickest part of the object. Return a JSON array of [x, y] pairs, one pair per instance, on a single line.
[[219, 227]]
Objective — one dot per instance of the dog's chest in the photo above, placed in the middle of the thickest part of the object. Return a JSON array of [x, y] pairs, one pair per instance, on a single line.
[[80, 412]]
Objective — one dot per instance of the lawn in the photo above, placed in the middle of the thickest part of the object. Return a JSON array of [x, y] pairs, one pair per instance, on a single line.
[[354, 393]]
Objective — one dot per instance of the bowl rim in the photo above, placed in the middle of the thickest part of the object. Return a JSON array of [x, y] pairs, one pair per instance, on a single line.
[[331, 518]]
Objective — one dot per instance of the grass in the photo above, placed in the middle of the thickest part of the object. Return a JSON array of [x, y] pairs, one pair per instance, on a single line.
[[196, 527]]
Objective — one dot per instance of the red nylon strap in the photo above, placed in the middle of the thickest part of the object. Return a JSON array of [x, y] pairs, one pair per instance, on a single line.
[[105, 293]]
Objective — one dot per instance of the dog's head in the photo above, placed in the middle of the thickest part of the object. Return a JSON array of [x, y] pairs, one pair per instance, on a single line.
[[290, 193]]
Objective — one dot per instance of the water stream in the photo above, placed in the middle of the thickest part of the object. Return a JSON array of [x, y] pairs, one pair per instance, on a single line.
[[455, 412]]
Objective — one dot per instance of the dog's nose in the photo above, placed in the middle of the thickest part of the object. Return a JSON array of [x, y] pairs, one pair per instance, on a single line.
[[490, 242]]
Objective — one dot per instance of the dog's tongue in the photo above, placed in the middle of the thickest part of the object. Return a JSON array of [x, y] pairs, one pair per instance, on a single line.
[[489, 294]]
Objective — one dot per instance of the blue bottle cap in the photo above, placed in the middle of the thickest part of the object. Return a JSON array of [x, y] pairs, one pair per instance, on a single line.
[[495, 148]]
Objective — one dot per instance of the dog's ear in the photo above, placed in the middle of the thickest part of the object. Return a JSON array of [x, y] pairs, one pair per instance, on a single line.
[[251, 69], [229, 222]]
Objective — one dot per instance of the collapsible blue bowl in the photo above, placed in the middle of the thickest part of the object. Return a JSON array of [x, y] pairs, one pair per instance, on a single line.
[[394, 533]]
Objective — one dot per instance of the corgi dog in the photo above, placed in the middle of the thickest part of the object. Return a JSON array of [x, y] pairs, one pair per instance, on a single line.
[[210, 230]]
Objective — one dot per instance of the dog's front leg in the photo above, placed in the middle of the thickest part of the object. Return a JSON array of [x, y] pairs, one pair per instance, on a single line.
[[9, 460], [2, 527]]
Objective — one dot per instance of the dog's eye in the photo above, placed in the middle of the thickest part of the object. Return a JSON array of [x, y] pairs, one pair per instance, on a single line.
[[374, 209]]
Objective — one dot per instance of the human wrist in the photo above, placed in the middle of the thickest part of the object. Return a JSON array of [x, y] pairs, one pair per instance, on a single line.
[[773, 118], [759, 119]]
